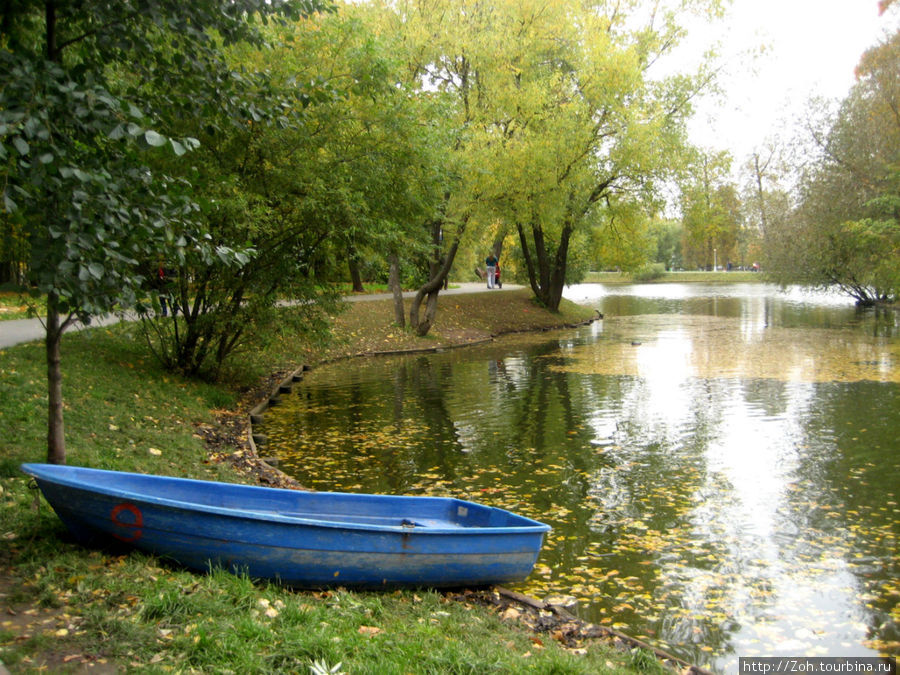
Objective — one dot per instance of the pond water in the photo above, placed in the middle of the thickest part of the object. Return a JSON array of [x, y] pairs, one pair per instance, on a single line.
[[718, 463]]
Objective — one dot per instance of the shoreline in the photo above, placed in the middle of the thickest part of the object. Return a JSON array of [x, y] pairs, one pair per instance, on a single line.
[[124, 412], [530, 612], [285, 382]]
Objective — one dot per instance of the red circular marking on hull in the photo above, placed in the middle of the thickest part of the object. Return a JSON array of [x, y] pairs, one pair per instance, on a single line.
[[134, 525]]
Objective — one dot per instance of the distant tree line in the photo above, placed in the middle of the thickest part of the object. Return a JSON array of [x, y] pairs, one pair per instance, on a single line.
[[843, 231], [819, 209]]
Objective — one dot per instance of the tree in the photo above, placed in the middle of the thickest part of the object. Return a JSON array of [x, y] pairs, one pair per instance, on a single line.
[[628, 137], [845, 232], [436, 49], [668, 235], [338, 174], [763, 169], [74, 123], [562, 127], [710, 212], [766, 200]]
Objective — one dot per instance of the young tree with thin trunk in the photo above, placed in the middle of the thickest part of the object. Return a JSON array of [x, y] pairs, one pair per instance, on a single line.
[[76, 121]]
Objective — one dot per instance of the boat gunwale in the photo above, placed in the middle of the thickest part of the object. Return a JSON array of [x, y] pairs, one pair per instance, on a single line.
[[41, 472]]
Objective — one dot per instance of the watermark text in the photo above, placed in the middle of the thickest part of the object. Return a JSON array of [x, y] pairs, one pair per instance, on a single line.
[[850, 665]]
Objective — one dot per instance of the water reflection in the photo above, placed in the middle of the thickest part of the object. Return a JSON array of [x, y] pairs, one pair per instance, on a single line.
[[718, 469], [650, 347]]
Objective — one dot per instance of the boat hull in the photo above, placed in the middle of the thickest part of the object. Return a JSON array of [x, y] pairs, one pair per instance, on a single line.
[[303, 539]]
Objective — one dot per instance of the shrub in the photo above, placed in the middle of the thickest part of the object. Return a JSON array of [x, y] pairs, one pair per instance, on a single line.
[[650, 272]]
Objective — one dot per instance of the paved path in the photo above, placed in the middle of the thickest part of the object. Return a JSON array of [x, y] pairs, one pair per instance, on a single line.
[[17, 331]]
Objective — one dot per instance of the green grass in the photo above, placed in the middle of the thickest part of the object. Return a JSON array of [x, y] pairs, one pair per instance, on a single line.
[[120, 407], [347, 288], [14, 304], [152, 616], [73, 606]]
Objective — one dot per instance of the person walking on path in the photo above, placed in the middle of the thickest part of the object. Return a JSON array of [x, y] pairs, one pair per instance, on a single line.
[[491, 264]]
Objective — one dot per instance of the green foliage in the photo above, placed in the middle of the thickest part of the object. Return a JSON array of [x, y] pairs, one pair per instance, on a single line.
[[668, 240], [564, 130], [83, 96], [626, 242], [710, 213], [320, 176], [76, 187], [650, 273], [72, 125]]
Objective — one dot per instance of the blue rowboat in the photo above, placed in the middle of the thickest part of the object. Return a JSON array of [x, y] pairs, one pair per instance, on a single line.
[[303, 539]]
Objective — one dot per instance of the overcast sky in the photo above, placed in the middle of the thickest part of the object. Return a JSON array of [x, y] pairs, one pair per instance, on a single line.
[[802, 48]]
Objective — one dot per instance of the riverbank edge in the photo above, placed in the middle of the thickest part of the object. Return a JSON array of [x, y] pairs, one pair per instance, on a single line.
[[533, 613], [552, 626]]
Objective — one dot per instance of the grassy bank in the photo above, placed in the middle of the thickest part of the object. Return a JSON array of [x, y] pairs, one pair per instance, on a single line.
[[64, 608], [14, 303]]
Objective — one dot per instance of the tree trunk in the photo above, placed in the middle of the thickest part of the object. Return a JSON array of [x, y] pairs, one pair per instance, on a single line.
[[56, 439], [759, 173], [546, 275], [50, 31], [397, 290], [497, 247], [423, 324], [558, 274], [440, 270], [537, 264], [355, 277], [529, 261]]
